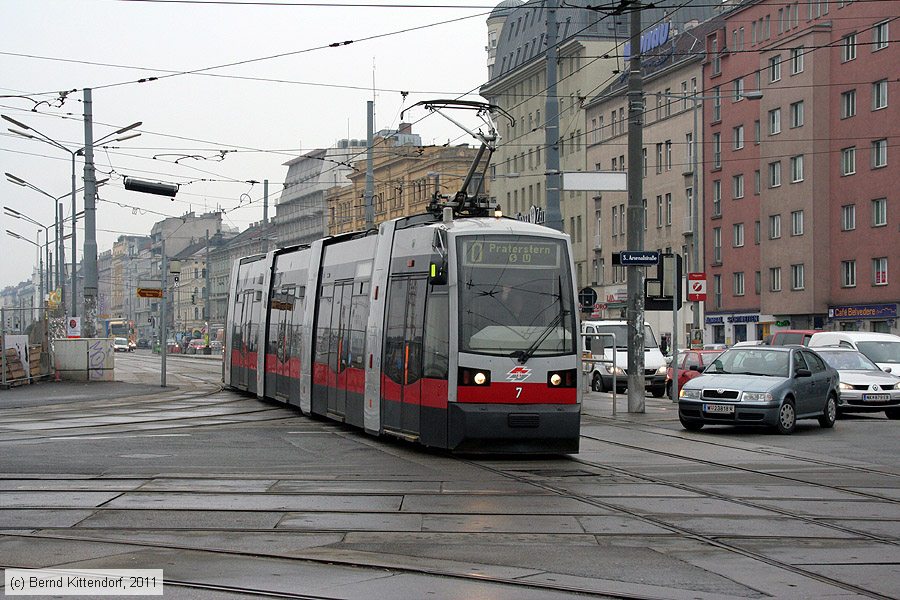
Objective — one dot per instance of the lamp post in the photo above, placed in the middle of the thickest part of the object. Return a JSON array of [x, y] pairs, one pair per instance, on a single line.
[[40, 258], [17, 215], [58, 224], [695, 183], [41, 137]]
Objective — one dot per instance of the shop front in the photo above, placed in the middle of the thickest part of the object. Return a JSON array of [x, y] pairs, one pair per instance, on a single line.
[[729, 329], [880, 318]]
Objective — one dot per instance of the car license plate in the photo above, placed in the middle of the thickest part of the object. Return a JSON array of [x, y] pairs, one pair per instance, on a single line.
[[876, 397], [718, 408]]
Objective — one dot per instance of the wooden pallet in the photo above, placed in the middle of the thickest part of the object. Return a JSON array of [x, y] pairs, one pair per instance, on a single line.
[[34, 360], [15, 371]]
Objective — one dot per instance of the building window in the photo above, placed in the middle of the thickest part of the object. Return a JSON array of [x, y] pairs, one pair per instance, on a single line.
[[848, 161], [717, 104], [716, 60], [717, 198], [738, 133], [756, 132], [659, 211], [738, 284], [880, 37], [668, 209], [756, 228], [717, 291], [775, 279], [797, 60], [757, 282], [879, 154], [848, 104], [738, 89], [848, 217], [738, 234], [879, 94], [622, 220], [879, 212], [775, 174], [848, 273], [644, 213], [717, 245], [757, 182], [774, 227], [775, 68], [775, 121], [668, 155], [689, 147], [797, 222], [615, 220], [737, 186], [717, 150], [797, 277], [848, 47], [880, 271], [659, 158], [797, 114], [796, 169]]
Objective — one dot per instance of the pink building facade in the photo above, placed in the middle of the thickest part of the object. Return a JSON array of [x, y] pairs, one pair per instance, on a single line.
[[801, 223]]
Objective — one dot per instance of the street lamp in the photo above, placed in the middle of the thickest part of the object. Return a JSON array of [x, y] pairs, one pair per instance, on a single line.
[[695, 183], [40, 259], [58, 224], [17, 215], [73, 153]]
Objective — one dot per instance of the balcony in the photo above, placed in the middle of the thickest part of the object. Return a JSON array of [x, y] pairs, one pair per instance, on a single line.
[[687, 227]]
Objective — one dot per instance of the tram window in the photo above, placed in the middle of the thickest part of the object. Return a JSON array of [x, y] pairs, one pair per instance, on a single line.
[[437, 337]]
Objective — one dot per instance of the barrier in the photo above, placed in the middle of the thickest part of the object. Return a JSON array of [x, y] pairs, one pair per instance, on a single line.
[[85, 359]]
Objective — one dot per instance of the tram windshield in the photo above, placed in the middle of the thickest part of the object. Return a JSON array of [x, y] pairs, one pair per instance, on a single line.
[[515, 296]]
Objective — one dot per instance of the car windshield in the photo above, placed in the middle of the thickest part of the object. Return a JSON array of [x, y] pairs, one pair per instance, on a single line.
[[881, 351], [751, 361], [848, 360], [621, 333], [121, 342], [516, 296]]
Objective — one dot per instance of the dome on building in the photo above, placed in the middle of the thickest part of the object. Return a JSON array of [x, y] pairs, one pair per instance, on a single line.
[[503, 9]]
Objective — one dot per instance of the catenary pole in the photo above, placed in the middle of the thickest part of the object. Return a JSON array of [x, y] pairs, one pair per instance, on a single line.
[[551, 125], [635, 232]]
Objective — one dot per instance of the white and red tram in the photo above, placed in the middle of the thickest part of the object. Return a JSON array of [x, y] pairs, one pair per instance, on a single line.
[[457, 333]]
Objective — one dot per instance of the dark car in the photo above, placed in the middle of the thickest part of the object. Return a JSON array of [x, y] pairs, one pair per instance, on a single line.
[[761, 385], [143, 343], [864, 387]]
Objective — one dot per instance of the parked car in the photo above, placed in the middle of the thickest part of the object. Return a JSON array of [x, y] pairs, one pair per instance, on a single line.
[[196, 346], [601, 347], [143, 343], [690, 364], [120, 344], [764, 386], [216, 346], [864, 387], [883, 349], [787, 337]]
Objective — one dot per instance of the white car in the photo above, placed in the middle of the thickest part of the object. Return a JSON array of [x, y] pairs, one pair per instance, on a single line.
[[121, 345]]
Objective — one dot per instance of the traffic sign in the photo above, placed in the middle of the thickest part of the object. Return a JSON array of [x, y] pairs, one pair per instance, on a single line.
[[638, 257], [697, 287], [149, 293]]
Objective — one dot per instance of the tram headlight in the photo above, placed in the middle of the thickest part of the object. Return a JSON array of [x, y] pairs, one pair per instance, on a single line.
[[563, 379], [473, 377], [555, 379]]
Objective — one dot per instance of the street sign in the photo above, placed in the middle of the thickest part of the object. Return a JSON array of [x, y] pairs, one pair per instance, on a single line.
[[636, 257], [697, 287], [149, 293], [73, 327]]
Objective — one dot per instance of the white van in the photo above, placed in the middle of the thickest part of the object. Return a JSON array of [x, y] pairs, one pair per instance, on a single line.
[[883, 349], [601, 348]]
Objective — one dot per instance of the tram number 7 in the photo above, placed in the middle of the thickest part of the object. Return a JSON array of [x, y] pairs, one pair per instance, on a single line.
[[518, 392]]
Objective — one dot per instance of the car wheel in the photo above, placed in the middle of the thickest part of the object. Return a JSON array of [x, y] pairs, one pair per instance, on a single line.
[[691, 425], [597, 383], [892, 413], [787, 418], [830, 415], [658, 392]]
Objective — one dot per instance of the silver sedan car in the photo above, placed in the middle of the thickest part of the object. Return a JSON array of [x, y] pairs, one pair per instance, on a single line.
[[770, 386], [864, 386]]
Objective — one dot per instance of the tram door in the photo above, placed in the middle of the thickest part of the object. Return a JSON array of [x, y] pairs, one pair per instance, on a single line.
[[340, 347], [246, 375], [283, 340], [402, 361]]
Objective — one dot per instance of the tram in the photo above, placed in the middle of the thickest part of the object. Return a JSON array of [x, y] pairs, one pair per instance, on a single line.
[[455, 329]]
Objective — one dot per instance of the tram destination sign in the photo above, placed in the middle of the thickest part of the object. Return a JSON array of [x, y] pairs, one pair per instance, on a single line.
[[510, 253], [636, 257]]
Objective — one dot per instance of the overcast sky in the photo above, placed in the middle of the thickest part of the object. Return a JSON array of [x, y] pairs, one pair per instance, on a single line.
[[300, 95]]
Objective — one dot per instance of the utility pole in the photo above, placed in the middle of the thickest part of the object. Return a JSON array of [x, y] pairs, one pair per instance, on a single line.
[[265, 227], [89, 256], [551, 125], [207, 298], [370, 167], [163, 346], [635, 233]]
